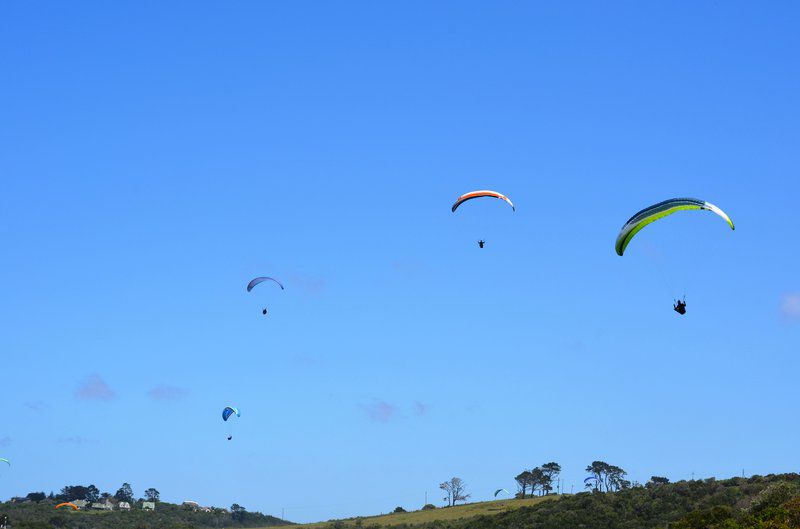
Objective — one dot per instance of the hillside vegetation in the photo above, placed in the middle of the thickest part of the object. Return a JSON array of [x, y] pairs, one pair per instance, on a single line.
[[42, 515], [459, 512], [759, 502]]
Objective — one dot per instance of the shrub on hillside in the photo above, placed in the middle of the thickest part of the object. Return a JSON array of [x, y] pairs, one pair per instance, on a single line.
[[773, 496], [428, 507]]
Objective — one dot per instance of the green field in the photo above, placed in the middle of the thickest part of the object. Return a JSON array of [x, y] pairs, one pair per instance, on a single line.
[[468, 510]]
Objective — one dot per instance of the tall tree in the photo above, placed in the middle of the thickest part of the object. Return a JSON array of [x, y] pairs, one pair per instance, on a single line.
[[608, 477], [36, 496], [92, 494], [152, 494], [456, 491], [523, 482], [78, 492], [615, 479], [124, 493], [598, 471], [537, 480], [551, 471], [238, 512]]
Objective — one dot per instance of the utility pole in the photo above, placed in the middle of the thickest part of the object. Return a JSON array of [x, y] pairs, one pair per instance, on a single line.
[[282, 513], [426, 498]]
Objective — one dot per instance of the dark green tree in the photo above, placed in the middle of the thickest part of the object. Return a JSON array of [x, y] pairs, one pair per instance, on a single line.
[[551, 471], [615, 479], [78, 492], [238, 512], [152, 494], [36, 496], [523, 482], [609, 478], [92, 494], [538, 480], [124, 493]]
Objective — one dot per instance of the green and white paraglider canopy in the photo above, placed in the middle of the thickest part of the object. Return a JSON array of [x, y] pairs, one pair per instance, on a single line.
[[659, 211]]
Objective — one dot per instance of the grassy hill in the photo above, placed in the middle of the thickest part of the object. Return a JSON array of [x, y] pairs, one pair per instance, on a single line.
[[459, 512], [758, 502]]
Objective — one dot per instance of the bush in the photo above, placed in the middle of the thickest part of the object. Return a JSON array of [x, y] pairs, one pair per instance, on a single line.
[[428, 507], [793, 512], [774, 495], [398, 510]]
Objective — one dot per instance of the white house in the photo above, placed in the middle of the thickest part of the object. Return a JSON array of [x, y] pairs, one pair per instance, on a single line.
[[105, 506], [80, 504], [124, 506], [148, 506]]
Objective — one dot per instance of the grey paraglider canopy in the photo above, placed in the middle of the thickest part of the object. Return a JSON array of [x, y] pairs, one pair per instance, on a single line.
[[258, 280]]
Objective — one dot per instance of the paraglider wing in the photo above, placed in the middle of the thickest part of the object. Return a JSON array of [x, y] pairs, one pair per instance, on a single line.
[[6, 461], [67, 504], [659, 211], [258, 280], [591, 478], [478, 194], [498, 491], [228, 411]]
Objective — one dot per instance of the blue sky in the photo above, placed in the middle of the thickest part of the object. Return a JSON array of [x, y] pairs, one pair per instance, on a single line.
[[156, 158]]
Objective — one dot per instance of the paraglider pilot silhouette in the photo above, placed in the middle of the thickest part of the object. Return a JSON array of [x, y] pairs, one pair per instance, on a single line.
[[680, 306]]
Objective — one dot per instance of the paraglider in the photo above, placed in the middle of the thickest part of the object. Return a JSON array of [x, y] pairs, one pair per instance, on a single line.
[[592, 481], [260, 280], [478, 194], [6, 461], [498, 491], [67, 504], [659, 211], [227, 413]]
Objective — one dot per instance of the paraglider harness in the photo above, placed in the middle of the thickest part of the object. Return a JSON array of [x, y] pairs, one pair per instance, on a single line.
[[481, 243], [680, 306]]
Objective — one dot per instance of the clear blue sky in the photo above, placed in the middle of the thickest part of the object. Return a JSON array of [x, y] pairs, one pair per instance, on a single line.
[[155, 158]]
